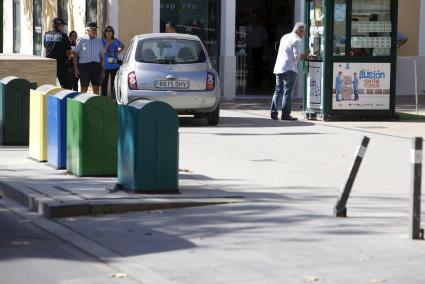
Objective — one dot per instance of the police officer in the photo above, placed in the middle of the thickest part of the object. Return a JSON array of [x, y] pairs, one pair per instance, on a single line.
[[58, 47]]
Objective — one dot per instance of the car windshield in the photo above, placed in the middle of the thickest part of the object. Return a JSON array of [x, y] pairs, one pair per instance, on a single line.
[[169, 51]]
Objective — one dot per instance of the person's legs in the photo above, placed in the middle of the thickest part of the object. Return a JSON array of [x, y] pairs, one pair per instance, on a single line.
[[113, 73], [276, 96], [356, 95], [289, 80], [105, 81], [84, 77], [62, 74], [96, 75], [96, 90], [75, 83]]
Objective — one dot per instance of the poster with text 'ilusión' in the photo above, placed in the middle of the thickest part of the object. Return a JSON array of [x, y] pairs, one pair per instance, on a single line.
[[361, 86]]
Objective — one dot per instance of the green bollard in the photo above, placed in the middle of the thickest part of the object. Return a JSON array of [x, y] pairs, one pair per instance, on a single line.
[[14, 111], [92, 125]]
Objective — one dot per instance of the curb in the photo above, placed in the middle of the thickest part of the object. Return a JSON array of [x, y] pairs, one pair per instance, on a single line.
[[54, 208]]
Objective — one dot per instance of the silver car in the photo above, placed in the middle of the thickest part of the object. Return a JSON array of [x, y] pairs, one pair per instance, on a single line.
[[173, 68]]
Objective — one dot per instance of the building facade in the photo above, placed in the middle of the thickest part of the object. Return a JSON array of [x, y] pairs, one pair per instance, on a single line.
[[235, 32]]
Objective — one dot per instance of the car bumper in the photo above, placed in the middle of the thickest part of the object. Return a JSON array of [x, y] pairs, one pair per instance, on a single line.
[[192, 101]]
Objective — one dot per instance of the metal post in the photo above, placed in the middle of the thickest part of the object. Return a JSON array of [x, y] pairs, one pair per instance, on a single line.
[[415, 214], [340, 209]]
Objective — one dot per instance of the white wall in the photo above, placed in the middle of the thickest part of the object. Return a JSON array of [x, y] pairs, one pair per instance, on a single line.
[[26, 28], [8, 26], [113, 16], [406, 76], [77, 16]]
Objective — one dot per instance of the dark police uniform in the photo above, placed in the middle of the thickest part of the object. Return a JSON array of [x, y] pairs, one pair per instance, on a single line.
[[56, 44]]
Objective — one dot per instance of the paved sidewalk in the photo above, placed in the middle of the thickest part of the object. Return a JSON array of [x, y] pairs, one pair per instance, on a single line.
[[282, 231], [55, 193], [290, 174]]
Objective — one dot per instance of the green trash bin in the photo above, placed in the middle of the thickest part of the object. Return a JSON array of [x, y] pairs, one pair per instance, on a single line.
[[92, 125], [14, 111], [148, 143]]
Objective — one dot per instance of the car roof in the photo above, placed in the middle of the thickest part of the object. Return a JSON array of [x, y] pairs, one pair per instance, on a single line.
[[167, 35]]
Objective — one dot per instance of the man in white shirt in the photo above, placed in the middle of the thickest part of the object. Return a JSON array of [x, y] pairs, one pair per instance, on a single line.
[[286, 70]]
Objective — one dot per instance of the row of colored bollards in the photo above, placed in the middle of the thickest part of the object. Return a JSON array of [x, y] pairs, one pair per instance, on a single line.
[[89, 135]]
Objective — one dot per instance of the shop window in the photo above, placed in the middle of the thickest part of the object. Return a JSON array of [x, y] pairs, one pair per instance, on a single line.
[[371, 28], [316, 35], [63, 12], [37, 37], [340, 27], [197, 17], [91, 11], [16, 26]]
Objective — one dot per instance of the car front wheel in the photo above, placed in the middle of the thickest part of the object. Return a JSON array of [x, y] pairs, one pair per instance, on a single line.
[[214, 116]]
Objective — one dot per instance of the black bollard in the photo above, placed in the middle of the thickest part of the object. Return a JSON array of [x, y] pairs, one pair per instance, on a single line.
[[415, 213], [340, 209]]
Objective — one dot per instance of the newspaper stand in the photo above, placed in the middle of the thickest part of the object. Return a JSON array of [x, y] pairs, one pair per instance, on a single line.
[[351, 67]]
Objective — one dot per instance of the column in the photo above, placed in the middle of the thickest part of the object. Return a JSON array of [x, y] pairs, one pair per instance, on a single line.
[[8, 26], [299, 17], [113, 16], [227, 49], [156, 16], [422, 29], [27, 37]]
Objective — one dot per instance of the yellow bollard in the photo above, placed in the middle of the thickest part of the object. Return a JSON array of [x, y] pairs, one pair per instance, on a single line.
[[38, 121]]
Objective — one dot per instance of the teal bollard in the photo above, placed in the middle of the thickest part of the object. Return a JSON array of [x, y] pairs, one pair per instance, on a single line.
[[148, 143]]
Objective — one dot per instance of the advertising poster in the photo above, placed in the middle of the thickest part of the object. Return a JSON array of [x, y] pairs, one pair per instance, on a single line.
[[314, 84], [361, 86]]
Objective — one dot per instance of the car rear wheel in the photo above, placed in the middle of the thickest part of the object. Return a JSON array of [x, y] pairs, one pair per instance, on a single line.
[[214, 116]]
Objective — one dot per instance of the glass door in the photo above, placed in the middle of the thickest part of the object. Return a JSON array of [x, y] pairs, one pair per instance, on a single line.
[[197, 17], [259, 28]]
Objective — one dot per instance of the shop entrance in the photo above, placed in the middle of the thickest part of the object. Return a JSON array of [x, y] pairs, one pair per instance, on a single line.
[[259, 27]]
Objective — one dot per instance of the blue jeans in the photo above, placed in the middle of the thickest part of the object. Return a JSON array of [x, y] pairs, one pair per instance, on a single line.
[[285, 87], [356, 94]]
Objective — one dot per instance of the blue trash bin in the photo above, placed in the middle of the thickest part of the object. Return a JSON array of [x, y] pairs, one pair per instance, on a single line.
[[56, 128]]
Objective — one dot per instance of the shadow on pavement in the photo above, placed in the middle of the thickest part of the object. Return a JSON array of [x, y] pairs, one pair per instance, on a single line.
[[240, 122]]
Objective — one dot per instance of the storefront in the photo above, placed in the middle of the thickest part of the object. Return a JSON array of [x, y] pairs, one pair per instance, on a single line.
[[235, 32], [242, 36], [351, 68]]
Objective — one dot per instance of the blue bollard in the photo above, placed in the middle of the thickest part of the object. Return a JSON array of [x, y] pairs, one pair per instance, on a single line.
[[56, 128]]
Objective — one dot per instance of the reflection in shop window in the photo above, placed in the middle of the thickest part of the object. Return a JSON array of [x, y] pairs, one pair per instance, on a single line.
[[91, 11], [37, 36], [316, 36], [16, 26], [371, 28], [63, 12], [340, 26], [196, 17]]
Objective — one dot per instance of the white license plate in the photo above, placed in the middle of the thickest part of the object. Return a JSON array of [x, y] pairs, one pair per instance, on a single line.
[[172, 84]]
